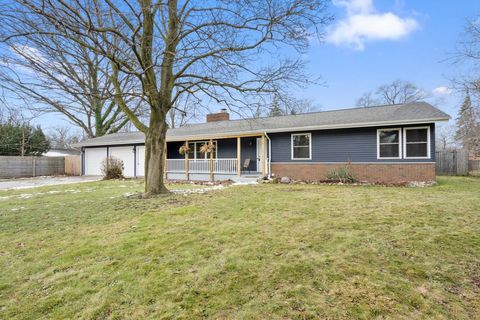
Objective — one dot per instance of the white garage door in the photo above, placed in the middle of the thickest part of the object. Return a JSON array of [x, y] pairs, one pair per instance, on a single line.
[[127, 155], [140, 161], [93, 160]]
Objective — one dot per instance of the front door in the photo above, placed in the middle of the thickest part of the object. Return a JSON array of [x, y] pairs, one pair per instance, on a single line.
[[259, 155]]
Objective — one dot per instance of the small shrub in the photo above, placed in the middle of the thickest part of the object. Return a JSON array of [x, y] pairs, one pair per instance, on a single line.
[[112, 168], [342, 174]]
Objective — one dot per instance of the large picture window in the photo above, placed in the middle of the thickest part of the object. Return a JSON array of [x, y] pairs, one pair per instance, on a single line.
[[301, 146], [389, 143], [417, 143]]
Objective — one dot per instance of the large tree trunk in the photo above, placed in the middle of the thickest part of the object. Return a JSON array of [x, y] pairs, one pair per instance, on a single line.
[[155, 138]]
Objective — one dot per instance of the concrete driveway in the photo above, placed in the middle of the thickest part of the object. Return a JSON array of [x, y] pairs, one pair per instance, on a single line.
[[25, 183]]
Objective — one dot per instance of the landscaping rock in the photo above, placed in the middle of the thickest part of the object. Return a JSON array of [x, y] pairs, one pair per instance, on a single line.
[[285, 180]]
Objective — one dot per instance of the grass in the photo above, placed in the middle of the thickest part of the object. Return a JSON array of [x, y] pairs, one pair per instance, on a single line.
[[245, 252]]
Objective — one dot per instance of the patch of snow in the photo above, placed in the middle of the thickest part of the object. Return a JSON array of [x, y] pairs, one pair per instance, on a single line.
[[420, 184], [25, 183], [197, 190], [128, 194], [244, 183]]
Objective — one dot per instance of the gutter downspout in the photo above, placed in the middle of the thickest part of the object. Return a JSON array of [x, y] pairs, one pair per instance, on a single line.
[[135, 161], [82, 157], [269, 155]]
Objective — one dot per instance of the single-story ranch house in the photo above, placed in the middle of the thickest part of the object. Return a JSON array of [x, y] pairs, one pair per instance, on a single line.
[[389, 144]]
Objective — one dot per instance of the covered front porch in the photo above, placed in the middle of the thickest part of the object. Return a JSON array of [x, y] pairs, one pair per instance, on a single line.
[[232, 158]]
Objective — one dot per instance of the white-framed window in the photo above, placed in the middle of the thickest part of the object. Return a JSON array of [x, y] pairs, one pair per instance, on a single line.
[[389, 143], [416, 143], [301, 146], [194, 150]]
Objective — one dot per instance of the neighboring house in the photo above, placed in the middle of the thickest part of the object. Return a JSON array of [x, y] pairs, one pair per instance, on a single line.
[[392, 144], [61, 152]]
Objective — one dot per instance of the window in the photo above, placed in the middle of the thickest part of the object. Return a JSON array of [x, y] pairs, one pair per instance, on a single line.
[[388, 143], [417, 143], [301, 146], [194, 150]]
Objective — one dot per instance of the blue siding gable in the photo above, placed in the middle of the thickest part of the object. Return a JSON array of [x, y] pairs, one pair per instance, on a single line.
[[341, 145]]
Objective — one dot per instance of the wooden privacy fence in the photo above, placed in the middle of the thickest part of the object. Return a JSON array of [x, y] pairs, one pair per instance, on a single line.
[[73, 165], [18, 167], [474, 167], [452, 162]]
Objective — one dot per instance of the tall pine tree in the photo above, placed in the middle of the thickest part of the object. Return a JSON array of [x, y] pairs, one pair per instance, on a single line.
[[468, 126], [275, 110], [22, 140]]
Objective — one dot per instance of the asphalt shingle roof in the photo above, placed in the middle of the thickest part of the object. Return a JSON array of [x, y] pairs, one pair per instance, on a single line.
[[418, 112]]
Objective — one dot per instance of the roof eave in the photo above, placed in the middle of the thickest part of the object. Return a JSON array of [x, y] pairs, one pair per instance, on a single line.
[[308, 128], [262, 131], [359, 125]]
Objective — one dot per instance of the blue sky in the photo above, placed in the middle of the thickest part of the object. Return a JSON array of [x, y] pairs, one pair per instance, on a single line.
[[416, 53], [373, 42]]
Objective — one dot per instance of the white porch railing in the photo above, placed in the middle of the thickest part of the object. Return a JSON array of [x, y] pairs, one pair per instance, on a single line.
[[228, 166], [225, 166], [176, 165]]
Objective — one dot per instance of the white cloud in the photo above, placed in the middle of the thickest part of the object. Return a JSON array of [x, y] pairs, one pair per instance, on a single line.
[[28, 52], [355, 6], [363, 24], [442, 90], [24, 57]]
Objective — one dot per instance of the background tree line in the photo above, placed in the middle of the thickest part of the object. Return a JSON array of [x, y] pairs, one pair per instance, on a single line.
[[19, 138]]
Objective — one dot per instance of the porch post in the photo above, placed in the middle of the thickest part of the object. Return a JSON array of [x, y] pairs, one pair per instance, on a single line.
[[165, 163], [264, 157], [211, 162], [187, 164], [239, 156]]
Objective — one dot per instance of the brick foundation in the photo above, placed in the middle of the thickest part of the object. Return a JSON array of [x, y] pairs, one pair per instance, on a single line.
[[367, 172]]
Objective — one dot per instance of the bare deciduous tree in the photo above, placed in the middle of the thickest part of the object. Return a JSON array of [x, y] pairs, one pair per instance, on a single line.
[[366, 100], [445, 137], [186, 109], [49, 74], [214, 50], [63, 137], [285, 104], [396, 92]]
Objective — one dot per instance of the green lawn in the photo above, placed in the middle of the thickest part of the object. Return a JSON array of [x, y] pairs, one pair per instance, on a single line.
[[245, 252]]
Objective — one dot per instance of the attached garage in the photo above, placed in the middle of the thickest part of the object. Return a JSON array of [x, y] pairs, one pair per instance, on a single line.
[[140, 165], [93, 160], [127, 155]]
